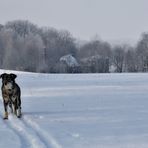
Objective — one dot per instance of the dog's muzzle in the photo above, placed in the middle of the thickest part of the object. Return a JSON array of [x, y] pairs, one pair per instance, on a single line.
[[8, 86]]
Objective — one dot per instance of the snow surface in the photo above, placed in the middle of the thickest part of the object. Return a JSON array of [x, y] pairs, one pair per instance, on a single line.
[[79, 111]]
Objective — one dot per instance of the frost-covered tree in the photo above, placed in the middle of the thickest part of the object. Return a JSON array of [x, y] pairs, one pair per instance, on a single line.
[[68, 64], [57, 44], [32, 53], [6, 48], [22, 27], [17, 52], [25, 46]]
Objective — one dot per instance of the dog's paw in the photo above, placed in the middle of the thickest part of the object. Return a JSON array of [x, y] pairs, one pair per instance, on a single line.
[[19, 114], [19, 117], [5, 116]]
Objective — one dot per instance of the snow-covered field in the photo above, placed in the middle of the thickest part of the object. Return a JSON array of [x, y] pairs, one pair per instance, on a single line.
[[79, 111]]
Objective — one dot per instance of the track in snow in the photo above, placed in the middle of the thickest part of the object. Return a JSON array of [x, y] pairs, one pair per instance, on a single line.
[[29, 132]]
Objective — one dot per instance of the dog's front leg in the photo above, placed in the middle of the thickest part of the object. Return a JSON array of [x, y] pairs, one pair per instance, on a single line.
[[15, 109], [5, 108], [19, 114], [10, 105]]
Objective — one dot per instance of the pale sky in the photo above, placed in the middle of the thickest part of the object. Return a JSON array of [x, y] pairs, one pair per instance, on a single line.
[[110, 19]]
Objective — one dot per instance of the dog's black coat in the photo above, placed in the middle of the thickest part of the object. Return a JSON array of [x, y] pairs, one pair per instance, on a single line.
[[11, 94]]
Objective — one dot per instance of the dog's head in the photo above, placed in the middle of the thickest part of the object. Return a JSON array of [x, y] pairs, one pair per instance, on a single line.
[[8, 80]]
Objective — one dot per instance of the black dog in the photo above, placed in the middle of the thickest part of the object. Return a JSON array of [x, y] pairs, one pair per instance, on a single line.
[[11, 94]]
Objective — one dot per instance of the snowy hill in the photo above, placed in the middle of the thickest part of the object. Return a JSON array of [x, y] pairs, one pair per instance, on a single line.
[[79, 111]]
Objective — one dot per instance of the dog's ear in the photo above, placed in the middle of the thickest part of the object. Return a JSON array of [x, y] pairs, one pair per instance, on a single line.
[[13, 76], [3, 75]]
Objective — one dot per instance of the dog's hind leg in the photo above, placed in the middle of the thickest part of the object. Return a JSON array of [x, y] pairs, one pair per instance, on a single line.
[[17, 108], [19, 113], [5, 108]]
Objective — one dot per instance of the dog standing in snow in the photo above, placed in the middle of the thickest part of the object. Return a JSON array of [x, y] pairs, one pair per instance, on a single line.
[[11, 94]]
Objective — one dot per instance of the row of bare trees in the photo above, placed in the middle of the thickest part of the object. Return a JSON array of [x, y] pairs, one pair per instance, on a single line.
[[25, 46], [132, 59]]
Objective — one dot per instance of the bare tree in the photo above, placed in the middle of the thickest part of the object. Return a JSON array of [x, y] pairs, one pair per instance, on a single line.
[[95, 56], [118, 58], [131, 61], [142, 53]]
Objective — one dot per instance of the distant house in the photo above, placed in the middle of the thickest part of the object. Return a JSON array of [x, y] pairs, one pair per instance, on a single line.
[[68, 64]]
